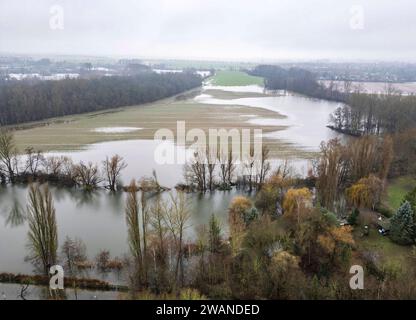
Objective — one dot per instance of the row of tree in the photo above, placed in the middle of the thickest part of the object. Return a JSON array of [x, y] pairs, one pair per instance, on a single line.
[[362, 113], [356, 171], [297, 80], [208, 170], [386, 113], [204, 171], [35, 166], [24, 101]]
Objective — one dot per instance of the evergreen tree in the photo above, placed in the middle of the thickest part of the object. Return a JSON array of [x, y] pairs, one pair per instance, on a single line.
[[402, 225], [353, 217]]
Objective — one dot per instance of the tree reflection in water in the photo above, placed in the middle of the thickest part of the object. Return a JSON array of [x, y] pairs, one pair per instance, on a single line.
[[17, 215]]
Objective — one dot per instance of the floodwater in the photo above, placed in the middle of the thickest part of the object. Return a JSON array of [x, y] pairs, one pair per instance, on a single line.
[[306, 118], [116, 129], [139, 155], [13, 292], [98, 218]]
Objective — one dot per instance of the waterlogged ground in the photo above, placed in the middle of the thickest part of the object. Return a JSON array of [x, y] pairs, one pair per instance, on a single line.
[[293, 126], [304, 119]]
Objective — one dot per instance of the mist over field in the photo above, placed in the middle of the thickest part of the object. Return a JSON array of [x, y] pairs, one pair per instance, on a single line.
[[195, 29]]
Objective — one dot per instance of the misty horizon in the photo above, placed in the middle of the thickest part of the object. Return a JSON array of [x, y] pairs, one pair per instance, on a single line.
[[265, 31]]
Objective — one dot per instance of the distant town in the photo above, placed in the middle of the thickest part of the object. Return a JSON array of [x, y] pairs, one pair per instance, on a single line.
[[60, 67]]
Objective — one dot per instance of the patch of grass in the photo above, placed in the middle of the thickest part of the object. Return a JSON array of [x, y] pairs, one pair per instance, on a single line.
[[235, 78], [204, 65], [397, 189], [387, 250], [228, 95]]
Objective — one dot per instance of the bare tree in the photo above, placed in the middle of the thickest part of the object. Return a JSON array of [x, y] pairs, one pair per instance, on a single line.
[[34, 159], [87, 176], [134, 234], [196, 171], [332, 170], [8, 156], [211, 158], [67, 168], [43, 233], [347, 86], [73, 253], [157, 222], [112, 169], [227, 167], [249, 168], [177, 221], [264, 165], [222, 159], [230, 167], [102, 260], [145, 222], [53, 165]]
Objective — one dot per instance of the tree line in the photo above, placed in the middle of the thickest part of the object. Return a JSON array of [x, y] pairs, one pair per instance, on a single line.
[[34, 166], [204, 171], [210, 170], [25, 101], [360, 114], [295, 79], [386, 113]]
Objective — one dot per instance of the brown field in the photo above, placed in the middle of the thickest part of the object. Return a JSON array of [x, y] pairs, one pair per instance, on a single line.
[[74, 132]]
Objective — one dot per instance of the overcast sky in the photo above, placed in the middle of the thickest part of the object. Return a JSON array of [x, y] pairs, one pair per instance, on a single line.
[[212, 29]]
